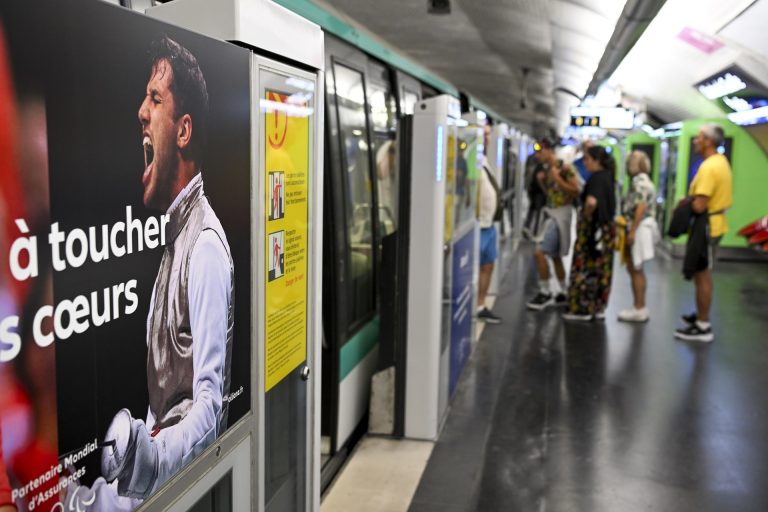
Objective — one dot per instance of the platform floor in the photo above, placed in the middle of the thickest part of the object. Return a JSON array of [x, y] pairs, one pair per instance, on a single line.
[[552, 416]]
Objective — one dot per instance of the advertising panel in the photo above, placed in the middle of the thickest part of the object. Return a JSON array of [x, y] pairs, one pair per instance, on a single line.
[[462, 306], [287, 164], [125, 243]]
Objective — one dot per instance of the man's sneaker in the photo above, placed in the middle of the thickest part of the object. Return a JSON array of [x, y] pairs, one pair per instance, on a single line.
[[576, 317], [540, 301], [690, 318], [561, 299], [634, 315], [486, 316], [600, 315], [695, 333]]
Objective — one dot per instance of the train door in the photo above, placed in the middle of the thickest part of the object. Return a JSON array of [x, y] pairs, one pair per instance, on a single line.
[[667, 183], [350, 347]]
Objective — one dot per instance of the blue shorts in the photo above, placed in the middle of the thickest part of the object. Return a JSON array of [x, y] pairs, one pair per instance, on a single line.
[[550, 244], [487, 245]]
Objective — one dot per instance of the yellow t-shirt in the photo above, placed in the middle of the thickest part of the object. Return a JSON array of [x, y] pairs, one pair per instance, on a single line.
[[715, 181]]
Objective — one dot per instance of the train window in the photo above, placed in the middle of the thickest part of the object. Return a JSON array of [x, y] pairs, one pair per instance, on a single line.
[[427, 91], [383, 115], [408, 102], [350, 98], [468, 158]]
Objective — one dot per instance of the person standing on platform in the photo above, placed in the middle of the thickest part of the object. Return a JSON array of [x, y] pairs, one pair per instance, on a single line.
[[489, 204], [592, 266], [561, 186], [638, 210], [712, 194], [537, 198]]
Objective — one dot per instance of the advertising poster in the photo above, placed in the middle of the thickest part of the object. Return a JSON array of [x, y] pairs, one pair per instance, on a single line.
[[287, 164], [125, 244], [462, 306]]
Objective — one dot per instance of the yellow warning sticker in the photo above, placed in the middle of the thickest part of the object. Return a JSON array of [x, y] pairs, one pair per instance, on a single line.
[[287, 164]]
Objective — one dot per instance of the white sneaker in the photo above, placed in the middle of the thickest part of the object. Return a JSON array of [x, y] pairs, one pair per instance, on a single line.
[[575, 317], [599, 316], [634, 315]]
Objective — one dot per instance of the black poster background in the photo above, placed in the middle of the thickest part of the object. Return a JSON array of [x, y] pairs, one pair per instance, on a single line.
[[90, 59]]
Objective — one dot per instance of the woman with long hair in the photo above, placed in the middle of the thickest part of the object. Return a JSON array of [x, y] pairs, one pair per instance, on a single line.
[[592, 266]]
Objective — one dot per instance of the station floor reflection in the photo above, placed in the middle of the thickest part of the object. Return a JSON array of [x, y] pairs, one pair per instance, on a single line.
[[555, 416]]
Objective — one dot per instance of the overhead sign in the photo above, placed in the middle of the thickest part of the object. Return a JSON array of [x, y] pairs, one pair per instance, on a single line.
[[609, 118], [579, 121]]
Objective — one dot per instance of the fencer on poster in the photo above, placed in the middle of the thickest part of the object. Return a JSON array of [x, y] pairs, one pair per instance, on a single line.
[[125, 241]]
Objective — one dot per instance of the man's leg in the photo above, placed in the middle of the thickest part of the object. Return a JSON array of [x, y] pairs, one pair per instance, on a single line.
[[541, 265], [700, 329], [485, 282], [703, 282], [487, 260], [560, 273]]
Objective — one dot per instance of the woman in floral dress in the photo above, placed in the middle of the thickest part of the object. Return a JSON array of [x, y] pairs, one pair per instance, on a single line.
[[592, 266]]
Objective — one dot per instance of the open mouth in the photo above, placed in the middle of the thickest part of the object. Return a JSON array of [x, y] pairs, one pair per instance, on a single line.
[[149, 157]]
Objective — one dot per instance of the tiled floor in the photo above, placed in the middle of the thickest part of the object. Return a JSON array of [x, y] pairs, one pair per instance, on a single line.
[[381, 476], [550, 416]]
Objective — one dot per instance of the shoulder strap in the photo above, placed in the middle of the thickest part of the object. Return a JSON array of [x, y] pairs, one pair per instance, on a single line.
[[494, 183]]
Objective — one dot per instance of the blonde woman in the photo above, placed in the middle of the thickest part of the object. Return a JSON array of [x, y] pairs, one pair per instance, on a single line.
[[639, 209]]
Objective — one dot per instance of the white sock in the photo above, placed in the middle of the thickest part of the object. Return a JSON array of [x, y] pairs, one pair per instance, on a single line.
[[563, 286], [703, 325], [480, 307], [544, 286]]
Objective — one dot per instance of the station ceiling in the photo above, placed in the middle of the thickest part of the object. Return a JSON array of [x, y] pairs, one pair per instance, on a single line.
[[684, 46], [528, 60], [532, 60]]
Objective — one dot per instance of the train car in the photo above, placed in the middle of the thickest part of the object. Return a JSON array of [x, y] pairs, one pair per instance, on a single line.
[[366, 97]]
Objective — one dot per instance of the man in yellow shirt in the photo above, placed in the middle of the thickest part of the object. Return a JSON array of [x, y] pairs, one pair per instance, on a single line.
[[712, 191]]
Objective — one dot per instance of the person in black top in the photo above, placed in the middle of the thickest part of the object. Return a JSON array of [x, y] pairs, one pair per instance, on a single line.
[[592, 266]]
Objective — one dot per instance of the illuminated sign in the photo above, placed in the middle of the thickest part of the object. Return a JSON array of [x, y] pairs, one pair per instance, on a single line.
[[439, 165], [749, 117], [615, 118], [721, 86], [733, 90], [580, 121]]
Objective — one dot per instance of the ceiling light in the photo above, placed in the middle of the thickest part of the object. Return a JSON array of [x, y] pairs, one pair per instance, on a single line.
[[722, 85], [749, 117]]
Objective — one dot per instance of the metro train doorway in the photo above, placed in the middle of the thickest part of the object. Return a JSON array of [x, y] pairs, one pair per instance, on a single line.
[[364, 100]]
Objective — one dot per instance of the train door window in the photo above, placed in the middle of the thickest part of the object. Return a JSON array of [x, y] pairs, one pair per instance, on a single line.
[[350, 98], [408, 101], [467, 171], [383, 111]]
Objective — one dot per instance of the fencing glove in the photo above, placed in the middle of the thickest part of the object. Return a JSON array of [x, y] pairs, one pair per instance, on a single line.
[[130, 456]]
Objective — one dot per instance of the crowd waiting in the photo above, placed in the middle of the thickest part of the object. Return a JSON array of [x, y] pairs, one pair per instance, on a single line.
[[610, 223]]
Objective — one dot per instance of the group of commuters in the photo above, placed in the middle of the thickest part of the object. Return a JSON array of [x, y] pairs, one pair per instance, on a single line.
[[608, 224]]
